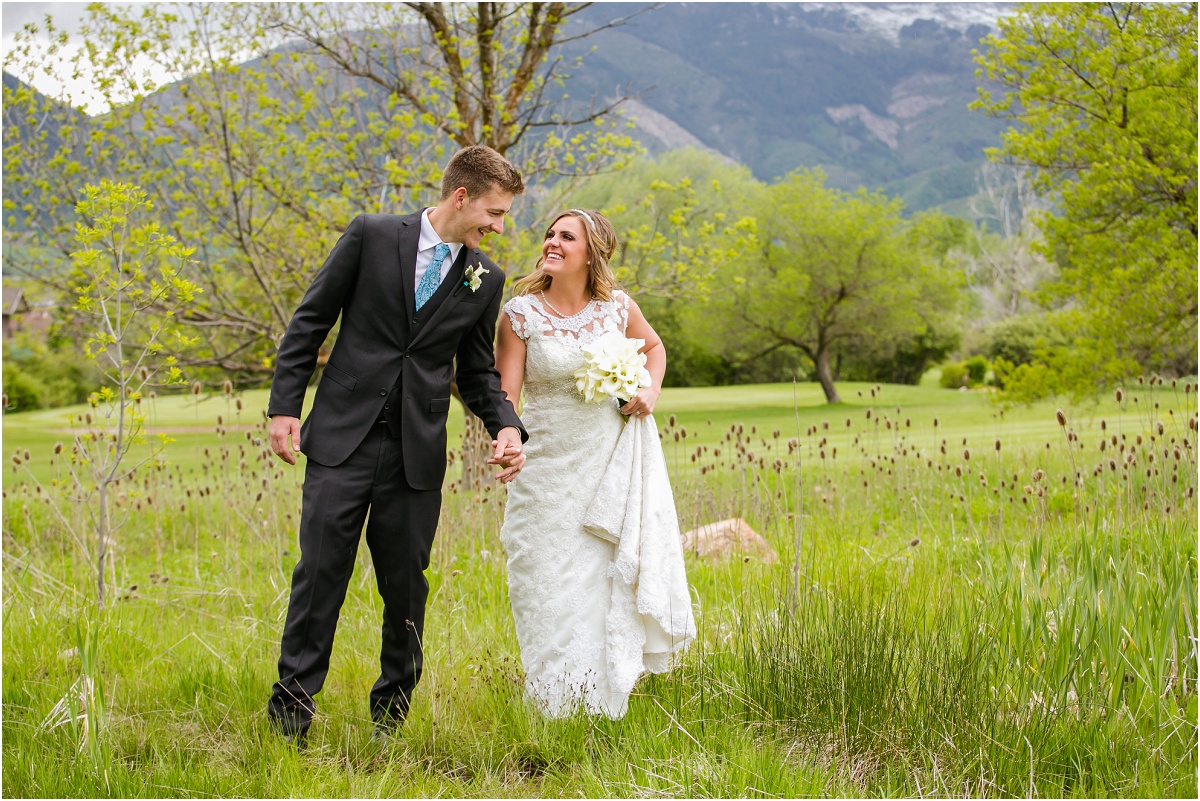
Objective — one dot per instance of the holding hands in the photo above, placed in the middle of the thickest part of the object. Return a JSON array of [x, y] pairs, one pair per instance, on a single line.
[[284, 435], [508, 453]]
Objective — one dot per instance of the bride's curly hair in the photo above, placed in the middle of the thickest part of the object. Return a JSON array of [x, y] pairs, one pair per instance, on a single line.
[[602, 244]]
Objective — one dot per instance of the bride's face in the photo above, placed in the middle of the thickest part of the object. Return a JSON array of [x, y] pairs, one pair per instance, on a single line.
[[565, 249]]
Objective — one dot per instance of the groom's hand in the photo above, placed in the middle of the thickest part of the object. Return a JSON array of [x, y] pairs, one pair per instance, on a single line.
[[508, 453], [284, 433]]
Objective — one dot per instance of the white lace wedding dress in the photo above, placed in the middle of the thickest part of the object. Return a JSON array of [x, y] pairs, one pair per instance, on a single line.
[[591, 616]]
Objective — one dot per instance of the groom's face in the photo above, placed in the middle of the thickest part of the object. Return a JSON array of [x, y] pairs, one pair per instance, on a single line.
[[476, 217]]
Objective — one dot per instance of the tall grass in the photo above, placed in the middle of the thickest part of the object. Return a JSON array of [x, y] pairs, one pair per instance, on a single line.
[[967, 601]]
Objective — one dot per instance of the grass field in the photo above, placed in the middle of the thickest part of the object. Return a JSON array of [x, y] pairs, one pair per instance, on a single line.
[[967, 601]]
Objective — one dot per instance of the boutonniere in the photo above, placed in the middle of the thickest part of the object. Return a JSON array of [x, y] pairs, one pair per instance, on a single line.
[[474, 276]]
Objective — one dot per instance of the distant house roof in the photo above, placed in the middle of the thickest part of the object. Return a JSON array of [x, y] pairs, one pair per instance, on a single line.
[[14, 300]]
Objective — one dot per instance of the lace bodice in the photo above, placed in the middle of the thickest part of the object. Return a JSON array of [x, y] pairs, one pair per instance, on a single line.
[[529, 316], [554, 344]]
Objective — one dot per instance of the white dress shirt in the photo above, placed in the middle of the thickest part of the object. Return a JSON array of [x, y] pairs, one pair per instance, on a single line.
[[425, 245]]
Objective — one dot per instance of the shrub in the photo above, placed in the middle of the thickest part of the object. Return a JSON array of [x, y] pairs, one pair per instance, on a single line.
[[977, 369], [971, 373], [24, 391], [955, 375], [689, 365], [904, 363], [1026, 383], [40, 376], [1017, 339]]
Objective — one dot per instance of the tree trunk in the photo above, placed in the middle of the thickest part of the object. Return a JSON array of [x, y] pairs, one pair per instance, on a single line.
[[825, 376], [101, 542]]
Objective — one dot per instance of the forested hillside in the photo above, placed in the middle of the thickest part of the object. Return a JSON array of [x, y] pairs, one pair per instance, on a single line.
[[874, 94]]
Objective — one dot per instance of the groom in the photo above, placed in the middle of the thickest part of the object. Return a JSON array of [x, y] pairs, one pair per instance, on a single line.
[[418, 302]]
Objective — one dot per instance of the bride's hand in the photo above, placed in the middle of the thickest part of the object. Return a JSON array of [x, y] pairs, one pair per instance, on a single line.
[[642, 403], [508, 453]]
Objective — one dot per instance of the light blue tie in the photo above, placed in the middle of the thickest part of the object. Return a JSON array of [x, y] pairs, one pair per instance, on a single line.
[[433, 275]]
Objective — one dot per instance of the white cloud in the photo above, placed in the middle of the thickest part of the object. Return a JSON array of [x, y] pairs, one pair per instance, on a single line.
[[60, 82], [15, 16]]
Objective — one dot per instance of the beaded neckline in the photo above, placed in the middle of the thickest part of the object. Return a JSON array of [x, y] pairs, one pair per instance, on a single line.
[[591, 307], [546, 302]]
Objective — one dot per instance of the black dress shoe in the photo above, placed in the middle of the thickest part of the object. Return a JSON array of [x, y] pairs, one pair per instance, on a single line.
[[298, 738], [292, 729], [385, 731]]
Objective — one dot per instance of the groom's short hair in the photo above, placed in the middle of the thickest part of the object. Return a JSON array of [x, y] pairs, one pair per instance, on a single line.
[[479, 169]]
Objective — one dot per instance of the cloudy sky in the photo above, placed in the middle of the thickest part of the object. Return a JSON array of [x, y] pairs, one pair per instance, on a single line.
[[16, 15], [66, 16]]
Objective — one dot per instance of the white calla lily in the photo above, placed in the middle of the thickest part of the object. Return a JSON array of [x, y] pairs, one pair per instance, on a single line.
[[613, 368]]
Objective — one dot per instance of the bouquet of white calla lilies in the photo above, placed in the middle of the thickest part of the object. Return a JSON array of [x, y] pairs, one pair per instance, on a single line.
[[612, 368]]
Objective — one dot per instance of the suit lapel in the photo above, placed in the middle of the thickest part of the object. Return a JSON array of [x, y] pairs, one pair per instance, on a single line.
[[410, 237]]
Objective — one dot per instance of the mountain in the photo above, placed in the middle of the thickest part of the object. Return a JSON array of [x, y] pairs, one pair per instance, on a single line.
[[18, 121], [26, 117], [875, 94]]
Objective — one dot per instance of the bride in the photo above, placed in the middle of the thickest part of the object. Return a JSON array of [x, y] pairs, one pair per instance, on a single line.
[[591, 614]]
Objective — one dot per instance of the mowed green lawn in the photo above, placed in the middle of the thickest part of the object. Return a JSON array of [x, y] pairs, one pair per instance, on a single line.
[[706, 412]]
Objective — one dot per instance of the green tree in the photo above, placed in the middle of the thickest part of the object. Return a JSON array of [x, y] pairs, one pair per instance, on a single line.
[[833, 271], [679, 217], [128, 284], [1104, 98], [280, 122], [905, 356]]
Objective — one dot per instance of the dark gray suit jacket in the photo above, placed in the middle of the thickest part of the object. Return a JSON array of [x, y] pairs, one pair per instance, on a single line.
[[368, 280]]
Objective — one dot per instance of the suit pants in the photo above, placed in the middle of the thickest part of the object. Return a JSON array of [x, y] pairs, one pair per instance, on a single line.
[[400, 534]]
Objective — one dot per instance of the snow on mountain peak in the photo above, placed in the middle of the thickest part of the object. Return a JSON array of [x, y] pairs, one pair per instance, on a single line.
[[887, 19]]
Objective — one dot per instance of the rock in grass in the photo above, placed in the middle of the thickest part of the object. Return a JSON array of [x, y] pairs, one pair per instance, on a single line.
[[727, 538]]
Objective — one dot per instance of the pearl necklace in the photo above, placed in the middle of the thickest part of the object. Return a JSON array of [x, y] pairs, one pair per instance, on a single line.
[[550, 306]]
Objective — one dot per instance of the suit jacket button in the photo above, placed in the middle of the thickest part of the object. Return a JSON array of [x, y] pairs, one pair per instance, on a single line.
[[383, 391], [407, 355], [414, 322]]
